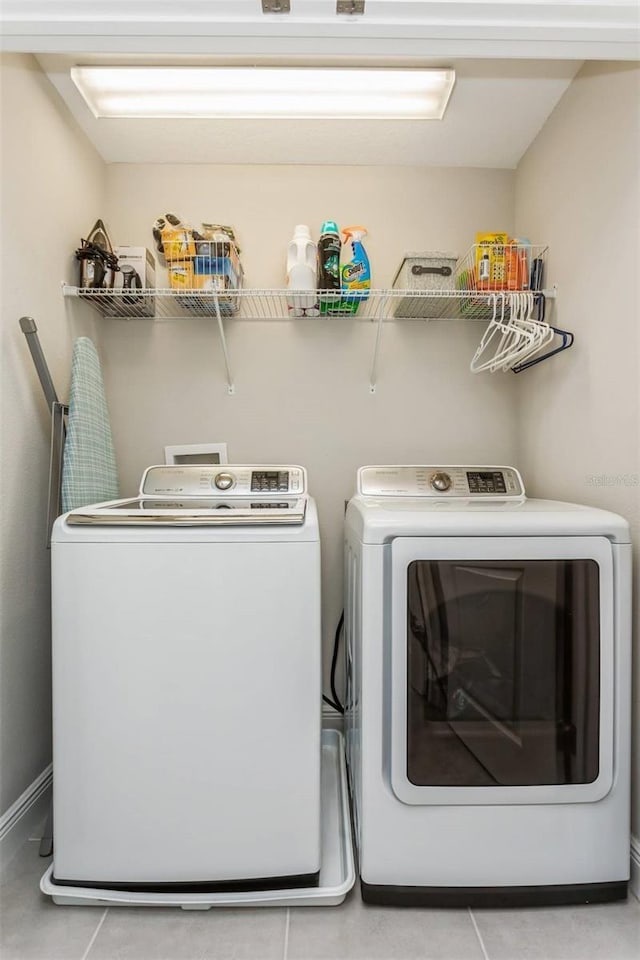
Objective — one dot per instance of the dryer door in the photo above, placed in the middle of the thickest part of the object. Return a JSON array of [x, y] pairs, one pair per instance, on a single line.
[[501, 669]]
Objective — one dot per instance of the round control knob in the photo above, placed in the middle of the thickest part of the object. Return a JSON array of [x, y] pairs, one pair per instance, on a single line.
[[440, 482], [224, 481]]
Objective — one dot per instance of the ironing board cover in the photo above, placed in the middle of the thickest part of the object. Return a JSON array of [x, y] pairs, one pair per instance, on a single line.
[[89, 472]]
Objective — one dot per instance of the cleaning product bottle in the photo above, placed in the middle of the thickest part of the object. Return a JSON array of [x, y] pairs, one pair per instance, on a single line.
[[329, 267], [355, 272], [302, 256]]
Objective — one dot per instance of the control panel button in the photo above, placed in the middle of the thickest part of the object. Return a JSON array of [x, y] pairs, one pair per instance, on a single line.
[[440, 482], [224, 481]]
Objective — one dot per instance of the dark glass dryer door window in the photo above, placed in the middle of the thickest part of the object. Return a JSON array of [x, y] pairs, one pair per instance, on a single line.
[[503, 661]]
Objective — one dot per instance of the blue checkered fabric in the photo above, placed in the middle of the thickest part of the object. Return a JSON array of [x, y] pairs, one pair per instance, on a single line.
[[89, 472]]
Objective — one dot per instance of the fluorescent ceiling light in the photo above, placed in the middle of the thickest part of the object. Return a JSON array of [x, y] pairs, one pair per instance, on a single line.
[[265, 92]]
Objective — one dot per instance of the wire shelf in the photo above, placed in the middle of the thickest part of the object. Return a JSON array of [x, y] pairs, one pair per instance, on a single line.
[[258, 304], [472, 296]]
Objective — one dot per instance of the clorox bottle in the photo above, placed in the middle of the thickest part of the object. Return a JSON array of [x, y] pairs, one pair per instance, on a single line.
[[301, 274], [355, 273]]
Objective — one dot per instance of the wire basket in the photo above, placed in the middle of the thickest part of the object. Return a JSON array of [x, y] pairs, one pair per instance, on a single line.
[[431, 272], [499, 268], [208, 271]]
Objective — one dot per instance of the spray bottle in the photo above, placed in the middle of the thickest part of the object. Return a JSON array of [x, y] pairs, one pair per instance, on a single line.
[[355, 272]]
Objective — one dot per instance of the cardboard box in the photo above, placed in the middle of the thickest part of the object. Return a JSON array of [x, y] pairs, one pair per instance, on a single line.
[[142, 261], [219, 249], [177, 243], [180, 274], [225, 267], [139, 263]]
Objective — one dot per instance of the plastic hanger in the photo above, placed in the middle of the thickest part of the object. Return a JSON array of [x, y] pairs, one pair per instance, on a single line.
[[513, 340], [519, 336], [511, 336], [541, 332], [497, 330], [567, 341]]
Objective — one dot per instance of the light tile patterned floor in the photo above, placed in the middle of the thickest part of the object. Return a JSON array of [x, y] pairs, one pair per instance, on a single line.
[[33, 928]]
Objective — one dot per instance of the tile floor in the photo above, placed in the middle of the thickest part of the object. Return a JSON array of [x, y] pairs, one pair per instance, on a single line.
[[33, 928]]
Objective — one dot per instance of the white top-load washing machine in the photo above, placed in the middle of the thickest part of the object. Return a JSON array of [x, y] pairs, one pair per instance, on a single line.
[[187, 684], [488, 701]]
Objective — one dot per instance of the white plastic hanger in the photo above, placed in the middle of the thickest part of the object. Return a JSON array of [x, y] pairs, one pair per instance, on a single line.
[[515, 337], [502, 336], [541, 333]]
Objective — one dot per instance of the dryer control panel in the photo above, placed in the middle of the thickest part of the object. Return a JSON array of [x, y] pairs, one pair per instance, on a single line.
[[450, 482], [233, 480]]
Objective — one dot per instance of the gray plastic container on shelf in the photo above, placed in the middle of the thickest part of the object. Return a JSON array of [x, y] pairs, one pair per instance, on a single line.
[[431, 270]]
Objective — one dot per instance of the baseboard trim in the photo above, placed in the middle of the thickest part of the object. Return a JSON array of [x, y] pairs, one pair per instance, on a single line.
[[25, 815], [634, 883]]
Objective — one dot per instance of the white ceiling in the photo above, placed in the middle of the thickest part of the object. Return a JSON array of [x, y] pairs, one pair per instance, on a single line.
[[514, 60], [495, 112]]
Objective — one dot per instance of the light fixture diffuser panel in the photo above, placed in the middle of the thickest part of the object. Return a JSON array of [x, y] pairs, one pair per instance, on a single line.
[[265, 92]]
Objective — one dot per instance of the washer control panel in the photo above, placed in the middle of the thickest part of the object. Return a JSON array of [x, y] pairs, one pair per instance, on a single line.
[[452, 482], [237, 480]]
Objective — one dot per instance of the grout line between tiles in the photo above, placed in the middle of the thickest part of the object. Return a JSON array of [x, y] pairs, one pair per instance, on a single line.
[[95, 934], [478, 934], [286, 934]]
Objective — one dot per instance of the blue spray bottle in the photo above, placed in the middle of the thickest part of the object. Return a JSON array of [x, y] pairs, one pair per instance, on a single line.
[[355, 273]]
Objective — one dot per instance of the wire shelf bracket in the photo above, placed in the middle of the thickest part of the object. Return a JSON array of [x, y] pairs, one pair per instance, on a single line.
[[382, 309], [161, 305]]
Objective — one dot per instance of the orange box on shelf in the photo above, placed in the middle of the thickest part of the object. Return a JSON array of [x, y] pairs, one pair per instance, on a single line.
[[177, 243], [181, 275]]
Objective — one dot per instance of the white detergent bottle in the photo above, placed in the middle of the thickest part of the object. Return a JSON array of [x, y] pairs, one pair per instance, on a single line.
[[302, 255]]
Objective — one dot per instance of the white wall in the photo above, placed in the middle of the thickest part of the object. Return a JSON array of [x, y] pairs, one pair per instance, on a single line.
[[303, 386], [579, 415], [52, 186]]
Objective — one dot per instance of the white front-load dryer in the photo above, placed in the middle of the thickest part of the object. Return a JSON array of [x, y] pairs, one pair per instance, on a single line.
[[187, 684], [488, 690]]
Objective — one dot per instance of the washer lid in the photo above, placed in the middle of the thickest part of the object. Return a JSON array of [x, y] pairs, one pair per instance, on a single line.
[[191, 512]]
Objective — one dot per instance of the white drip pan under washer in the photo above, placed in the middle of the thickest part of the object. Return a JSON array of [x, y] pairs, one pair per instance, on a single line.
[[337, 869]]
